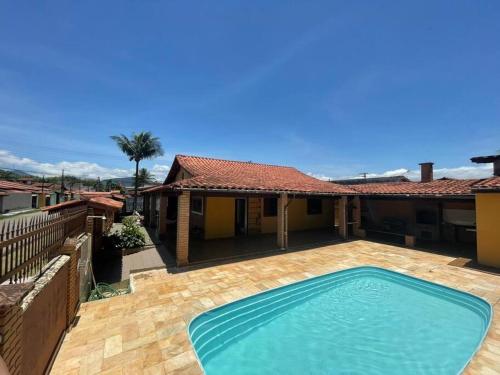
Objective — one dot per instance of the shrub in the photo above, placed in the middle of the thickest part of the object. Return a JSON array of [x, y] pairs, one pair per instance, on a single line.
[[129, 221], [132, 237], [129, 237]]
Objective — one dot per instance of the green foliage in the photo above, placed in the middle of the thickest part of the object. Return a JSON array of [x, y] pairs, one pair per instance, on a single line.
[[129, 221], [132, 237], [129, 237], [140, 146], [8, 175], [145, 177]]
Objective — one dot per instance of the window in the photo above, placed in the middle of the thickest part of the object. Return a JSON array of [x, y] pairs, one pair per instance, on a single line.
[[270, 207], [197, 205], [314, 206]]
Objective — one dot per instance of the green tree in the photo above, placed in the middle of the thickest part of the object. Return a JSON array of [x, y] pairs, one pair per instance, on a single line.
[[138, 147], [145, 177]]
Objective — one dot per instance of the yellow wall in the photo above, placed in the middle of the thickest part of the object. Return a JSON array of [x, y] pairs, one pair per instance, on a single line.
[[298, 219], [269, 224], [488, 228], [219, 217]]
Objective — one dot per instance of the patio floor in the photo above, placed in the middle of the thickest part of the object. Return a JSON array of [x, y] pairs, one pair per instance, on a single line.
[[146, 332], [242, 246]]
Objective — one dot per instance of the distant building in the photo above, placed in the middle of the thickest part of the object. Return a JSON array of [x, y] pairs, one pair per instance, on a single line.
[[371, 180]]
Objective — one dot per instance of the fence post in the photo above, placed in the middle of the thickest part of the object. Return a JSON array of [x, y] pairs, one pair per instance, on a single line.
[[11, 324], [90, 221], [72, 249]]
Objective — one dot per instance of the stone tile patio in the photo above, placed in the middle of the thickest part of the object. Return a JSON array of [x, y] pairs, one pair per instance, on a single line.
[[146, 332]]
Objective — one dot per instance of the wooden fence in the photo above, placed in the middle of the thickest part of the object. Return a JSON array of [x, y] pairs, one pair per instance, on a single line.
[[27, 244]]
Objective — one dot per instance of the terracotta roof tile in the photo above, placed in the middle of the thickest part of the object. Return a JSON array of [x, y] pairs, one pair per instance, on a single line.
[[218, 174], [489, 184], [106, 194], [63, 205], [433, 188], [107, 202], [17, 186]]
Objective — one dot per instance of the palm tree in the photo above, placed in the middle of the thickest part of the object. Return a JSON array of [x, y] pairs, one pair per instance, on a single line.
[[138, 147], [145, 177]]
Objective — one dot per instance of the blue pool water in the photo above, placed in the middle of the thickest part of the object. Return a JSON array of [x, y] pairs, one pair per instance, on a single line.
[[362, 320]]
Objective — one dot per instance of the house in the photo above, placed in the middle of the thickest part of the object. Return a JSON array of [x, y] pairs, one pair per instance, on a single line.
[[14, 200], [17, 196], [205, 200], [209, 208]]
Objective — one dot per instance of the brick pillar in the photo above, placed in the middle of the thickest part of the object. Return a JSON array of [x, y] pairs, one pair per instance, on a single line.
[[71, 249], [357, 218], [342, 211], [162, 230], [90, 221], [11, 324], [183, 209], [282, 221]]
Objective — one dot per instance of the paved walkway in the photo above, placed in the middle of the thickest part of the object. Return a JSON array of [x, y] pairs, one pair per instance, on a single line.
[[154, 255], [146, 332], [114, 268]]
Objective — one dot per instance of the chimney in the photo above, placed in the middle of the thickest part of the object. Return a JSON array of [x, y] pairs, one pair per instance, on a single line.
[[426, 172], [495, 159]]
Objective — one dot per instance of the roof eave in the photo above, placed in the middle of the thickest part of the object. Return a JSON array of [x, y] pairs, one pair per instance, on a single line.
[[260, 191]]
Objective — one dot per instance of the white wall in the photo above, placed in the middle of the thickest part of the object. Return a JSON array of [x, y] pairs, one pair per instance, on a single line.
[[14, 202]]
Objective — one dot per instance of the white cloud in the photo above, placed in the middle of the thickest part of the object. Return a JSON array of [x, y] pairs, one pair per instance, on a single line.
[[464, 172], [79, 168], [160, 172]]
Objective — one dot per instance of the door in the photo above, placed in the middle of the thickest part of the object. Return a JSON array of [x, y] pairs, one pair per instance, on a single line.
[[240, 212]]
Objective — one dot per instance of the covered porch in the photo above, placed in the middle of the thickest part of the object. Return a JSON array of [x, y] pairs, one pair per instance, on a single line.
[[437, 224], [204, 226]]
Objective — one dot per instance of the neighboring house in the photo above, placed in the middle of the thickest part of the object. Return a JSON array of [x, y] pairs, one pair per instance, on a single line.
[[104, 210], [130, 191], [11, 200], [211, 201], [18, 196]]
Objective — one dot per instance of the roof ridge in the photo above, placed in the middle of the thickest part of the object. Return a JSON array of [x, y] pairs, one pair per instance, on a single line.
[[235, 161]]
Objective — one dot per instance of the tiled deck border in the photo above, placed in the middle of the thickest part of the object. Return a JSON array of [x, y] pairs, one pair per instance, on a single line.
[[146, 332]]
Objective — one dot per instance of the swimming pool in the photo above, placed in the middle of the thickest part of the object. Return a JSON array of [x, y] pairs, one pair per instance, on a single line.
[[363, 320]]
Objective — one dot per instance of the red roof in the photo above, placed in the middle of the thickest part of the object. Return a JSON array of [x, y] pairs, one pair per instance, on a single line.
[[17, 187], [63, 205], [107, 202], [433, 188], [106, 194], [218, 174], [489, 184]]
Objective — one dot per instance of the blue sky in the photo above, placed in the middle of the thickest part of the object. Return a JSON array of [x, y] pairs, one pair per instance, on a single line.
[[334, 88]]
